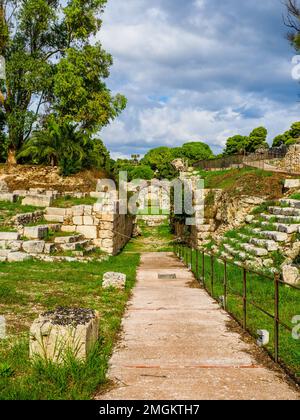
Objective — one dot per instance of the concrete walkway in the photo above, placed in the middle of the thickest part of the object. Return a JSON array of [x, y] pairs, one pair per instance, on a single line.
[[176, 344]]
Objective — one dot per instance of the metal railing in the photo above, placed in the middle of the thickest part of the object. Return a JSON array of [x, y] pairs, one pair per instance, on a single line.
[[256, 301]]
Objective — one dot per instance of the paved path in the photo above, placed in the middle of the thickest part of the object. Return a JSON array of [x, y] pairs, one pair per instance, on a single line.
[[176, 344]]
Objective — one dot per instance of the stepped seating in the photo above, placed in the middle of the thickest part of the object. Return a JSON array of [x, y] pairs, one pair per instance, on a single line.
[[267, 233]]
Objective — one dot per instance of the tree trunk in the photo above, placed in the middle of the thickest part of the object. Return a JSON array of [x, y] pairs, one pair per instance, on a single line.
[[11, 157]]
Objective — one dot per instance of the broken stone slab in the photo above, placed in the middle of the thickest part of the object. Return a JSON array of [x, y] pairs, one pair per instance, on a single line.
[[12, 198], [34, 247], [268, 244], [115, 280], [292, 183], [9, 236], [14, 245], [58, 334], [68, 239], [289, 229], [75, 246], [275, 236], [36, 232], [290, 274], [281, 219], [37, 200], [18, 257], [290, 202], [49, 248]]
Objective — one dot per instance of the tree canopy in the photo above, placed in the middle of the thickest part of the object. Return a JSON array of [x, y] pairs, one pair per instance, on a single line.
[[239, 144], [53, 68], [289, 137]]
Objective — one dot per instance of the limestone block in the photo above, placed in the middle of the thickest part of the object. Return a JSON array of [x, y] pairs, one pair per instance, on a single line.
[[290, 274], [55, 335], [115, 280], [55, 211], [9, 236], [14, 245], [68, 228], [54, 218], [49, 248], [106, 234], [88, 210], [78, 210], [34, 247], [292, 183], [88, 220], [12, 198], [36, 232], [77, 220], [89, 232], [68, 239], [18, 257], [37, 201]]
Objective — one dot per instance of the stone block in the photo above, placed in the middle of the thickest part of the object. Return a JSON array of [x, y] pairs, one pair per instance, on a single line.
[[55, 211], [18, 257], [88, 210], [89, 232], [115, 280], [12, 198], [37, 200], [9, 236], [88, 220], [36, 232], [34, 247], [78, 220], [54, 218], [68, 228], [55, 335], [78, 210], [68, 239], [290, 274], [292, 183], [14, 245], [49, 248]]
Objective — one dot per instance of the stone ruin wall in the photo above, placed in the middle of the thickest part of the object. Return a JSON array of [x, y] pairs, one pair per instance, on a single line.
[[291, 162]]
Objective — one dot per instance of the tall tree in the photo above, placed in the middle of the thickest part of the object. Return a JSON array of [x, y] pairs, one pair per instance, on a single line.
[[236, 145], [53, 67], [257, 139]]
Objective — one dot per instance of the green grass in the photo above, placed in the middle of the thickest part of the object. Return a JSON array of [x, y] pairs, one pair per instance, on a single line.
[[260, 290], [153, 239], [295, 196], [68, 201], [9, 210], [30, 288]]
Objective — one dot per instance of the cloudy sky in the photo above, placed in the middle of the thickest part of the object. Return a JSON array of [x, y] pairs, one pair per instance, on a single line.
[[197, 70]]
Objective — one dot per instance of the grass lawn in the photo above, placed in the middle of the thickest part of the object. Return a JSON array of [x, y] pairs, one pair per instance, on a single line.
[[260, 291], [153, 239], [30, 288], [68, 201]]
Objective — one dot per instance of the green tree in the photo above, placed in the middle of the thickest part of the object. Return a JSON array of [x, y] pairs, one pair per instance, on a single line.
[[160, 161], [142, 172], [53, 68], [235, 145], [257, 140], [289, 137], [196, 151]]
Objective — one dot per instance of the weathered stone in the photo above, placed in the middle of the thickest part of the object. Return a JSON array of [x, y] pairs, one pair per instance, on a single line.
[[292, 183], [115, 280], [88, 220], [34, 247], [37, 200], [49, 248], [89, 232], [36, 232], [259, 252], [284, 211], [88, 210], [9, 236], [268, 244], [18, 257], [55, 335], [249, 219], [275, 236], [290, 274], [68, 239], [68, 228], [77, 220], [3, 186], [14, 245], [78, 210], [55, 211], [54, 218], [76, 246], [12, 198]]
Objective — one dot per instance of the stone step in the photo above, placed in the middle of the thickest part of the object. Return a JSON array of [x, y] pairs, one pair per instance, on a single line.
[[240, 254], [9, 236], [284, 211], [253, 250], [74, 246], [280, 227], [18, 257], [34, 247], [280, 218], [36, 232], [290, 202], [10, 197], [264, 243], [273, 235], [68, 239]]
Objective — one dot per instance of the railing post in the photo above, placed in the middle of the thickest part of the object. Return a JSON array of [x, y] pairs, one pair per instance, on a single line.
[[245, 298], [191, 259], [212, 275], [225, 285], [203, 268], [197, 264], [276, 317]]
